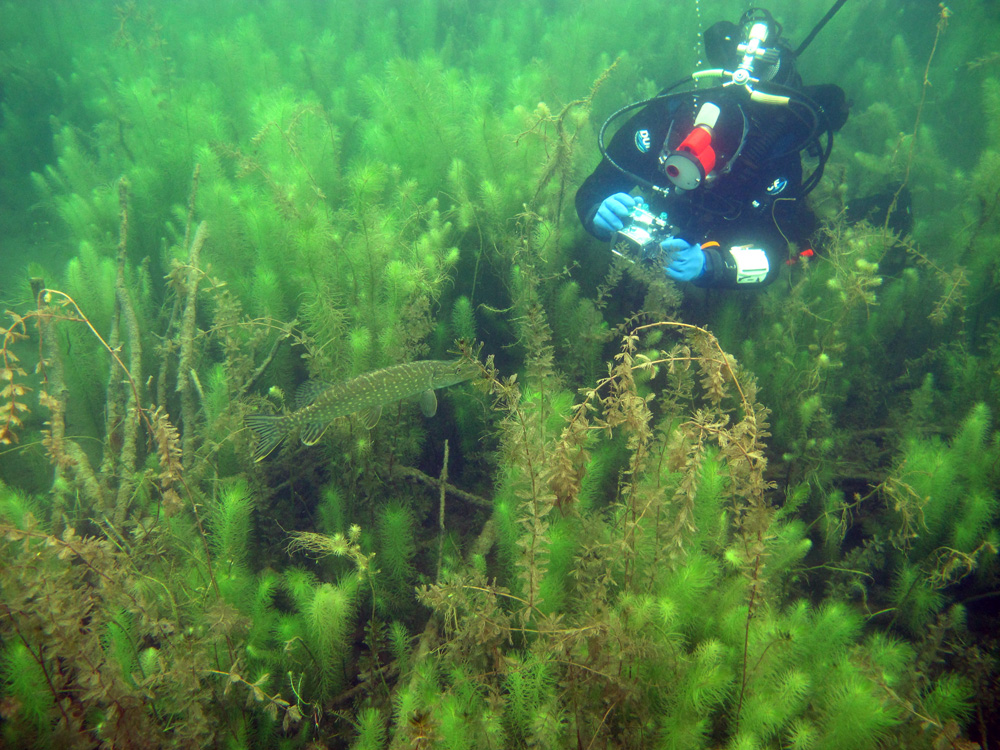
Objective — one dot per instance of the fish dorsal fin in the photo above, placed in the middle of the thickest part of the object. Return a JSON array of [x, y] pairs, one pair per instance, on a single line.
[[428, 403], [312, 432], [308, 392], [370, 417]]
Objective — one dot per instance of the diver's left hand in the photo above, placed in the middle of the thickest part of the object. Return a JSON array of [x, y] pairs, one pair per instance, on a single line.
[[686, 262]]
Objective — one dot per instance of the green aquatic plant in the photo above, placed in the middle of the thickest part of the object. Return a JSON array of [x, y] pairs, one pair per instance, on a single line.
[[317, 635], [17, 508], [88, 207], [90, 280], [714, 648], [530, 688], [463, 320], [944, 495], [371, 730], [327, 615], [950, 699], [93, 629], [229, 525], [854, 714], [332, 511], [579, 331], [396, 549], [27, 683], [655, 571], [428, 109]]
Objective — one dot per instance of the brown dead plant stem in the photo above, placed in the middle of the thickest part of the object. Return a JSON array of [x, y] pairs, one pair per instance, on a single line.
[[65, 454], [110, 491], [567, 125], [12, 408], [671, 408], [61, 597], [737, 433]]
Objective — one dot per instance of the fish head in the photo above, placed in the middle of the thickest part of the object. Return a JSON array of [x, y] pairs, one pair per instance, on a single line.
[[450, 372]]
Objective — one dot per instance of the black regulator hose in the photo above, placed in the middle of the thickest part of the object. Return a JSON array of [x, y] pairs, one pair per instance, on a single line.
[[662, 96], [820, 127]]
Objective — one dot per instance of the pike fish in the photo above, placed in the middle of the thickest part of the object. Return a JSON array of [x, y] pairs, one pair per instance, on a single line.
[[318, 403]]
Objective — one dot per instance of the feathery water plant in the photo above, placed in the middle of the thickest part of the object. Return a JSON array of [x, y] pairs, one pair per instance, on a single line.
[[463, 319], [944, 505], [229, 525], [332, 511], [915, 598], [396, 549], [653, 582], [18, 509], [949, 699], [328, 615], [371, 730], [711, 630], [556, 588], [26, 682], [853, 714], [121, 647], [530, 685]]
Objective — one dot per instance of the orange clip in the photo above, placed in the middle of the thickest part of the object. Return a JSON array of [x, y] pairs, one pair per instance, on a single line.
[[807, 253]]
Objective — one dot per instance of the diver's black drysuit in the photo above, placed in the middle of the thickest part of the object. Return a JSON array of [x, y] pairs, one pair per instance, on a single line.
[[755, 197]]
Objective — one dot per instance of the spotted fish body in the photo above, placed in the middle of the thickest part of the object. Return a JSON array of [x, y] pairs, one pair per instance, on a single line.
[[320, 403]]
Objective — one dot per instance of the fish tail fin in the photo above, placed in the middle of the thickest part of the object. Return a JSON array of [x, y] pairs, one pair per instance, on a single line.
[[270, 431]]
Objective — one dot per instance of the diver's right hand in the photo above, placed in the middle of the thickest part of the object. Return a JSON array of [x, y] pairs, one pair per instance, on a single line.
[[611, 214]]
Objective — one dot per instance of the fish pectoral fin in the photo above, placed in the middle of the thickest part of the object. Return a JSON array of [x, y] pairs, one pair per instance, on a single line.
[[270, 431], [308, 392], [370, 417], [312, 432], [428, 403]]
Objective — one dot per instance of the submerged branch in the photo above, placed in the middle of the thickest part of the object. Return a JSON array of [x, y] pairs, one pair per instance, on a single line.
[[415, 475]]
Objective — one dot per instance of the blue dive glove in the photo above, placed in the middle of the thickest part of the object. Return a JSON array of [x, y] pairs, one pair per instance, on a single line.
[[611, 214], [686, 262]]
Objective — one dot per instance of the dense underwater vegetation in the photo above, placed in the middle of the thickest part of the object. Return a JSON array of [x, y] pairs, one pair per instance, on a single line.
[[659, 518]]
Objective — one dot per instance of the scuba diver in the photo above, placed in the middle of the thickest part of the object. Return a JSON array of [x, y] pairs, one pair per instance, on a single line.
[[719, 168]]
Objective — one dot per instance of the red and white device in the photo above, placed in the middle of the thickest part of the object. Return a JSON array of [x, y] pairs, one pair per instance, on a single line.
[[692, 161]]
